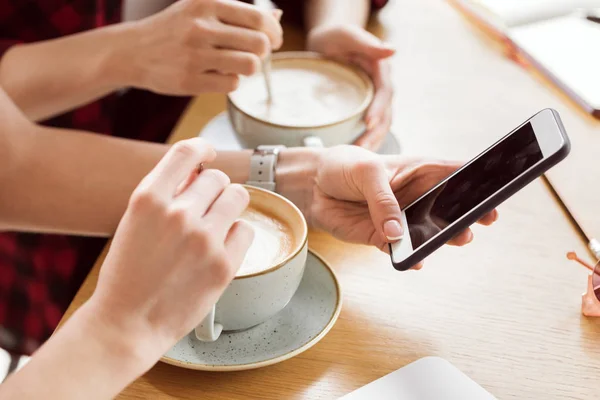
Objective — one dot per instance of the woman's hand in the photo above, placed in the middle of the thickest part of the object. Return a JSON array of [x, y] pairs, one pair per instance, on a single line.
[[357, 195], [353, 44], [176, 249], [197, 46]]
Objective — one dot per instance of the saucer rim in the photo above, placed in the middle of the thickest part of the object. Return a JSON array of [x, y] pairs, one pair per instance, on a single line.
[[223, 114], [278, 359]]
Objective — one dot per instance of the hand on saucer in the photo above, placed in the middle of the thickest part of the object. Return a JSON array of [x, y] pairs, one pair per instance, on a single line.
[[357, 195], [176, 249], [355, 45]]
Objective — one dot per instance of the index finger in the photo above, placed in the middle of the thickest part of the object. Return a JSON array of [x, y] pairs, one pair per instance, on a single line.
[[251, 17], [175, 167]]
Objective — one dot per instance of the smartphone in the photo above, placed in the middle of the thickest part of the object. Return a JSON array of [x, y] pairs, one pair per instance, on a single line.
[[479, 186]]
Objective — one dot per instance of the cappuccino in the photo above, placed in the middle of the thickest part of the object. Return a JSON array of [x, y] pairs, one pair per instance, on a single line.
[[273, 242], [305, 93]]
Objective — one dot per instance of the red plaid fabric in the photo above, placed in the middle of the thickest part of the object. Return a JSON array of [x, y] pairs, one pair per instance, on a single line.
[[40, 274]]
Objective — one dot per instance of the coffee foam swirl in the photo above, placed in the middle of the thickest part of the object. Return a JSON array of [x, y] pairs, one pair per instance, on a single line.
[[301, 96], [273, 241]]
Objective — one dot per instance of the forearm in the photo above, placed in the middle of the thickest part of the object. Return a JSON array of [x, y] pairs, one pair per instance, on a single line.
[[62, 181], [70, 181], [332, 12], [51, 77], [86, 358]]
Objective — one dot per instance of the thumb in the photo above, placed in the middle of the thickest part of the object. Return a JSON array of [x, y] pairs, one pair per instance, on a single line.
[[383, 205], [371, 47], [277, 13]]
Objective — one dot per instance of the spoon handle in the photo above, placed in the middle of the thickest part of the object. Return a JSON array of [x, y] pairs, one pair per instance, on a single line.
[[266, 67]]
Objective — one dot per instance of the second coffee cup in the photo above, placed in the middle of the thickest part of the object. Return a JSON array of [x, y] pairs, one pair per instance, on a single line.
[[271, 271], [316, 102]]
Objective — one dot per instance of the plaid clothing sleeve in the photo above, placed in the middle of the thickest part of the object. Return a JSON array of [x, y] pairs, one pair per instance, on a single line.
[[293, 10], [40, 274]]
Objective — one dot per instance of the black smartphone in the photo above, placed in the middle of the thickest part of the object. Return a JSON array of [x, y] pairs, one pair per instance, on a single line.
[[479, 186]]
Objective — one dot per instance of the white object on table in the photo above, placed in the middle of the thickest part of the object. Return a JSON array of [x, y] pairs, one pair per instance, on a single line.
[[430, 378], [219, 133], [566, 49]]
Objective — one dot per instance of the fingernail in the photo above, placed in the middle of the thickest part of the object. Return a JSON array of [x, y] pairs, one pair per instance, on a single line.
[[277, 14], [393, 230], [470, 237]]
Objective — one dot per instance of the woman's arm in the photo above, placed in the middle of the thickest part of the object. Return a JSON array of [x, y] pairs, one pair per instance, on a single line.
[[65, 181], [50, 77], [87, 358], [189, 48], [139, 308], [56, 180]]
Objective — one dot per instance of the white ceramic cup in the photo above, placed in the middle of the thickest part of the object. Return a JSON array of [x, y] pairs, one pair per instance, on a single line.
[[252, 131], [254, 298]]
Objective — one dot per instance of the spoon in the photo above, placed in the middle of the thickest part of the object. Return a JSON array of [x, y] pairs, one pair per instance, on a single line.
[[266, 68], [266, 62]]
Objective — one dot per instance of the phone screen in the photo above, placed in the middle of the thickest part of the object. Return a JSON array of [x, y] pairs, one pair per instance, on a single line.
[[473, 185]]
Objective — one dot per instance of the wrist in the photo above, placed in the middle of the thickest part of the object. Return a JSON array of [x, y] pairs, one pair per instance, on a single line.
[[118, 67], [125, 349], [296, 174]]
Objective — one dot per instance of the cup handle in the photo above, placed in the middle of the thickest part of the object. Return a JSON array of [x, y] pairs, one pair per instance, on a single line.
[[313, 141], [209, 330]]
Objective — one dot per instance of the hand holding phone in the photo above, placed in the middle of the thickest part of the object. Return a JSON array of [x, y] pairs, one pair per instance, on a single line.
[[480, 186]]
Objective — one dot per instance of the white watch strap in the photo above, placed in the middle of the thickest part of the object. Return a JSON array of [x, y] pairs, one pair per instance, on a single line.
[[262, 169]]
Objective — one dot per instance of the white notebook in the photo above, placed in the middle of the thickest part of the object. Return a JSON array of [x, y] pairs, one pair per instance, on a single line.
[[556, 37], [567, 50], [430, 378], [505, 14]]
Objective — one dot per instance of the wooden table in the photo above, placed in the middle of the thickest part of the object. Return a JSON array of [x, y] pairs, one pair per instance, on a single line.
[[504, 309]]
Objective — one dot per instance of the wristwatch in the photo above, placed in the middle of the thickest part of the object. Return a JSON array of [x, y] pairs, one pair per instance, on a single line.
[[262, 166]]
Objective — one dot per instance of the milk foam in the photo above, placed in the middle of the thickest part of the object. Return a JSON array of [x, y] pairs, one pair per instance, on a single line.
[[301, 96], [273, 241]]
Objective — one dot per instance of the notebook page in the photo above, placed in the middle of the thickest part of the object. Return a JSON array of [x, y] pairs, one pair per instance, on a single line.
[[520, 12], [567, 48], [429, 378]]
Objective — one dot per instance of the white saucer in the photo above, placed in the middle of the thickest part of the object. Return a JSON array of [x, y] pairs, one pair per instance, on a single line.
[[307, 318], [220, 134]]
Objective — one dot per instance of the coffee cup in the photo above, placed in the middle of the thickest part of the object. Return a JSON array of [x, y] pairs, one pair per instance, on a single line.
[[315, 102], [271, 272]]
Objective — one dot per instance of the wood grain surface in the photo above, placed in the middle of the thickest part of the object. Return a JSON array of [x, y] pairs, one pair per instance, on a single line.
[[575, 180], [504, 309]]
